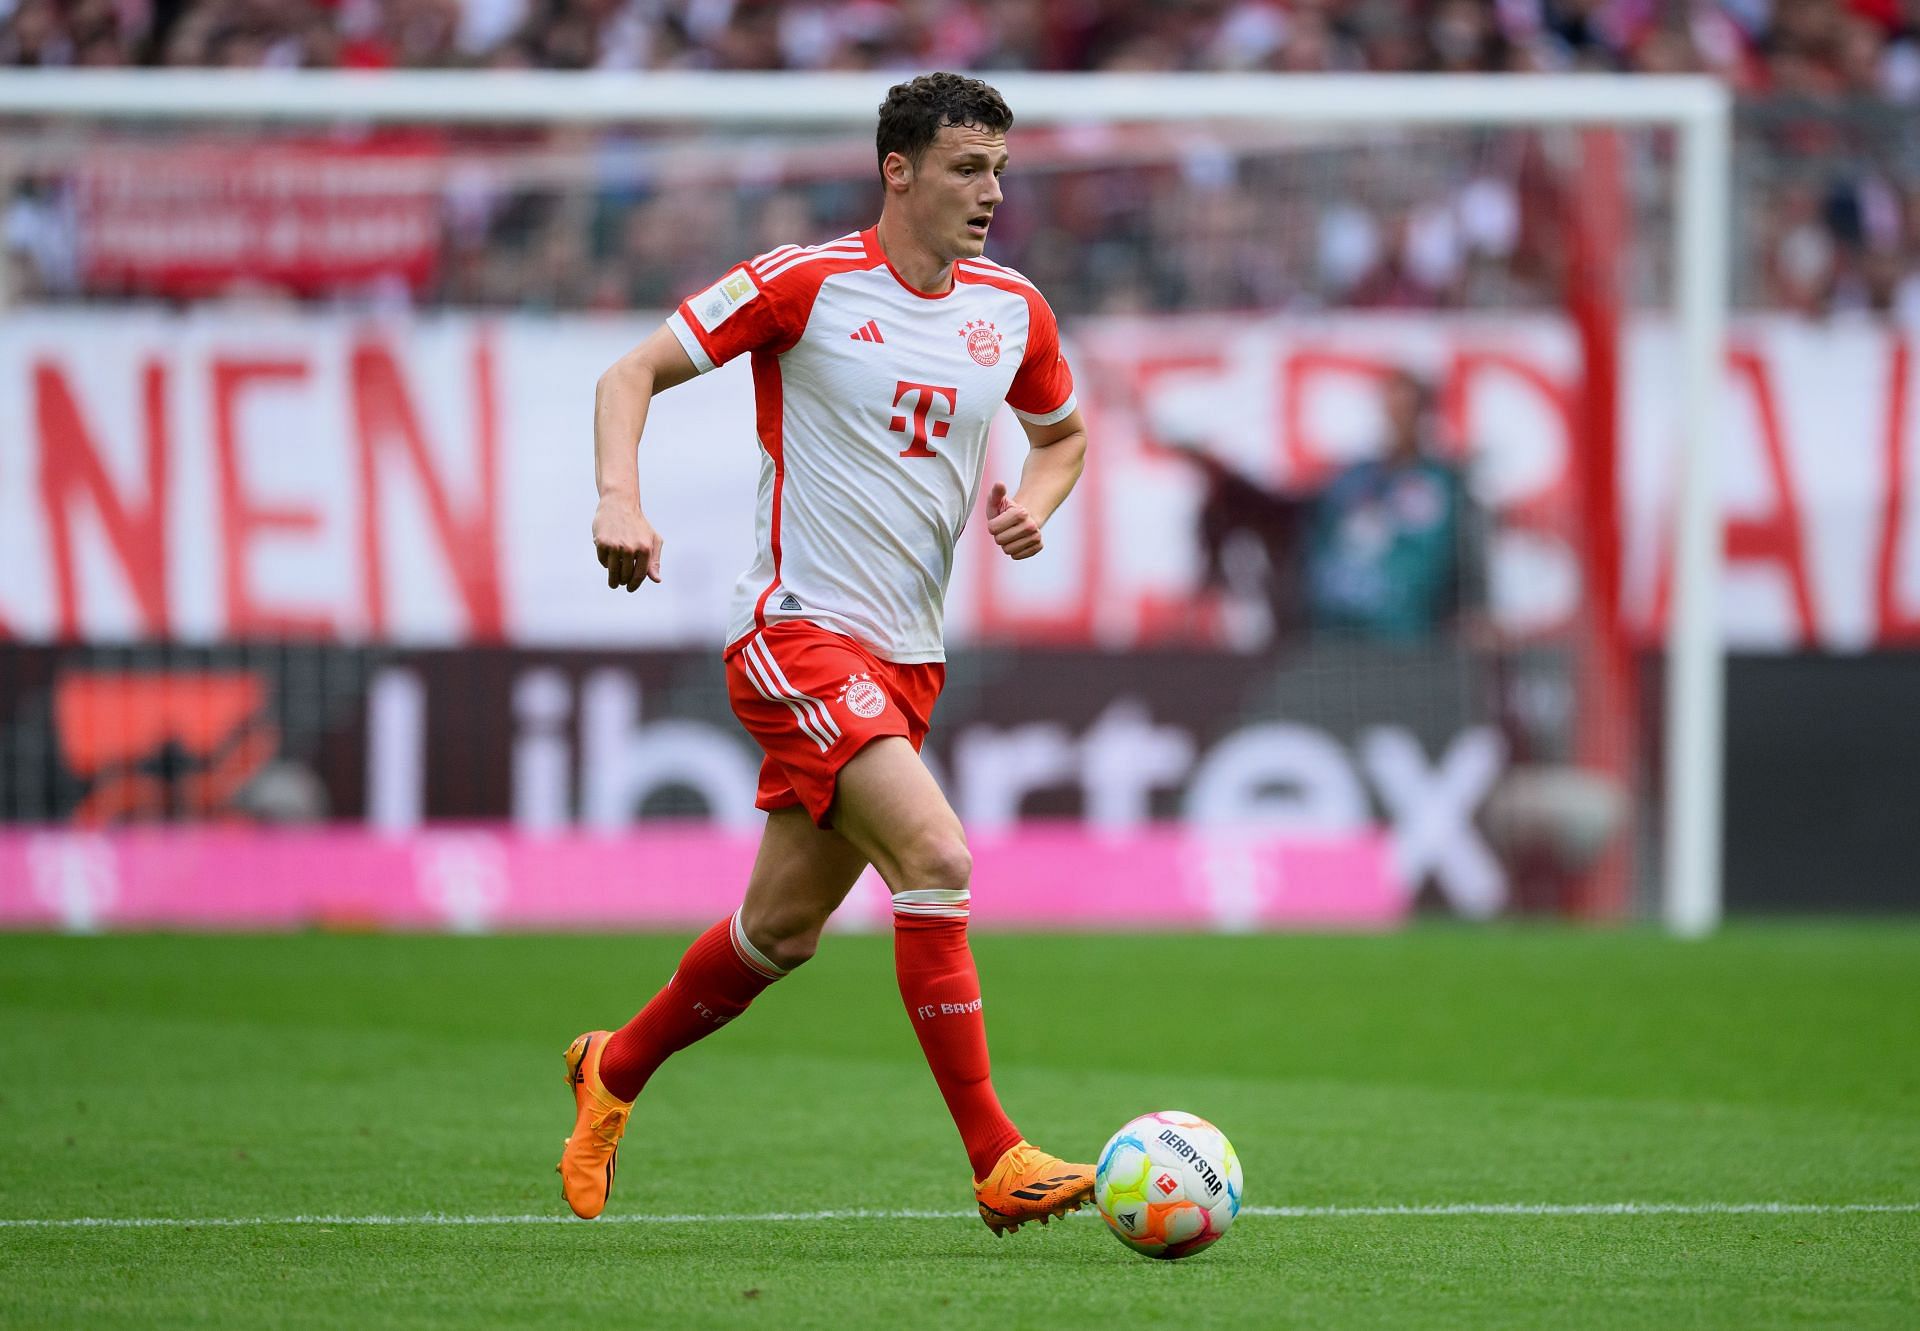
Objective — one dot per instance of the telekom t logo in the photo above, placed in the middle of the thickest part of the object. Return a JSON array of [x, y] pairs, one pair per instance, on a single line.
[[924, 396]]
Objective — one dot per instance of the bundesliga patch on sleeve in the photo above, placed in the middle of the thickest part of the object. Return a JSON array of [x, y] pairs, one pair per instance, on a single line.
[[716, 304]]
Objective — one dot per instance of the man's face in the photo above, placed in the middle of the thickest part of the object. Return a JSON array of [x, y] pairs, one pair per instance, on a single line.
[[955, 189], [1405, 404]]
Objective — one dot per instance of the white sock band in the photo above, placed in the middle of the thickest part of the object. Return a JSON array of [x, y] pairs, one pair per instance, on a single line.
[[936, 902], [749, 953]]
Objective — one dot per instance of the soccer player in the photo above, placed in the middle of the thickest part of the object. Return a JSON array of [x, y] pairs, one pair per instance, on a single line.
[[879, 360]]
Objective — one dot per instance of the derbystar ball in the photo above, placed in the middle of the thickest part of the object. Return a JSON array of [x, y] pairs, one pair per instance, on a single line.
[[1168, 1184]]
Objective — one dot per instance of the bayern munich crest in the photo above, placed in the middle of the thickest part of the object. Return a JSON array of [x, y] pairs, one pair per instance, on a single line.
[[983, 341], [861, 696]]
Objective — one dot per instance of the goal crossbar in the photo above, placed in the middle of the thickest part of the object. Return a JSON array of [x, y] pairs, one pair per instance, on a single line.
[[446, 96]]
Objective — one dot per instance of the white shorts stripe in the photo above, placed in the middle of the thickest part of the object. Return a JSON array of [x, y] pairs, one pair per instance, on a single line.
[[808, 720], [771, 665], [766, 690], [812, 706]]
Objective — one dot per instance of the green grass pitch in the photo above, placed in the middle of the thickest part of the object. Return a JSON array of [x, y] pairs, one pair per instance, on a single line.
[[358, 1077]]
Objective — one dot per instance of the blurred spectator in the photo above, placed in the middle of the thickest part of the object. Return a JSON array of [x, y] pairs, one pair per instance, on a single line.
[[1389, 548], [1391, 544], [37, 241]]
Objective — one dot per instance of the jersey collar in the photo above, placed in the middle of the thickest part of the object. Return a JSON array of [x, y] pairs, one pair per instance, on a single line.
[[871, 237]]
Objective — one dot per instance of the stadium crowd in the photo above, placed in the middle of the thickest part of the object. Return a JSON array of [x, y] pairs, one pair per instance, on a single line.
[[1829, 153], [1811, 47]]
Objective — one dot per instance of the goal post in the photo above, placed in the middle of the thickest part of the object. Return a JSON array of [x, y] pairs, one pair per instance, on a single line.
[[1696, 110]]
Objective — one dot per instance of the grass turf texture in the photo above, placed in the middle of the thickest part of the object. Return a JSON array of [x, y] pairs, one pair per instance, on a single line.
[[211, 1077]]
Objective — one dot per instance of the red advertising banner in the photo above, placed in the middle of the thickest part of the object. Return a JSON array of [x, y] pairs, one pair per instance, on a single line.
[[303, 215], [429, 482]]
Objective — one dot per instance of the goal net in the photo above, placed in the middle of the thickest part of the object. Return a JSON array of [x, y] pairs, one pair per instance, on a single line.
[[1385, 590]]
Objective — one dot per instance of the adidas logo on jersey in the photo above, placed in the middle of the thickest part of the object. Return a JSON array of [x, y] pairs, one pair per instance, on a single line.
[[789, 602], [868, 332]]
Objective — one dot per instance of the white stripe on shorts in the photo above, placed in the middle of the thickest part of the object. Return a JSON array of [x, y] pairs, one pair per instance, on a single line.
[[771, 664], [804, 719], [772, 684]]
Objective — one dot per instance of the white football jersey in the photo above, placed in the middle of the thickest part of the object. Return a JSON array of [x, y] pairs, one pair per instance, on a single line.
[[872, 402]]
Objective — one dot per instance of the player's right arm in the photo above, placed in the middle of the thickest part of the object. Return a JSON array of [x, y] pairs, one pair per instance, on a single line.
[[628, 546], [752, 308]]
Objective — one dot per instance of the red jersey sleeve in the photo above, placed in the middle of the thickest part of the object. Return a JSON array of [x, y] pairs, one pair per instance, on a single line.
[[1042, 389], [737, 314]]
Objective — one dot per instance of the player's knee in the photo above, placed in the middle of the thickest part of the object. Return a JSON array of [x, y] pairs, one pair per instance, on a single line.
[[787, 936], [794, 949], [938, 861]]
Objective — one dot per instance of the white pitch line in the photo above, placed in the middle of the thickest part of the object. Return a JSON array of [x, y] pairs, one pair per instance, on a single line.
[[1441, 1209]]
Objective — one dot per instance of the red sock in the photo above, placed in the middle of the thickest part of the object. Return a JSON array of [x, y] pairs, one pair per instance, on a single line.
[[941, 989], [719, 975]]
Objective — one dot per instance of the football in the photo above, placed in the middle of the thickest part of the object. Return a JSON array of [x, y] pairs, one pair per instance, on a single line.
[[1168, 1184]]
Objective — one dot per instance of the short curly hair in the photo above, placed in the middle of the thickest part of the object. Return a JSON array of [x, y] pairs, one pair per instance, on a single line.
[[916, 111]]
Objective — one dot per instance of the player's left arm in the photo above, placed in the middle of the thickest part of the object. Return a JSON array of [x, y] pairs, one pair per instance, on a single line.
[[1056, 455]]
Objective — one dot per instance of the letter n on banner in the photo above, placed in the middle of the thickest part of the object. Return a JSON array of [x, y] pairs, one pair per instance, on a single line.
[[70, 462], [384, 418]]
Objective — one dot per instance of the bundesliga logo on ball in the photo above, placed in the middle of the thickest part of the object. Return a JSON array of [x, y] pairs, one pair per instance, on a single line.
[[1168, 1184]]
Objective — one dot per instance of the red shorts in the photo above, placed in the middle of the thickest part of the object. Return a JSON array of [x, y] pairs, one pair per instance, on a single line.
[[812, 699]]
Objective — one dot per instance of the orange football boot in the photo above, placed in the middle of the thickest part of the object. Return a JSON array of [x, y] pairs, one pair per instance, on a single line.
[[1028, 1184], [588, 1159]]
